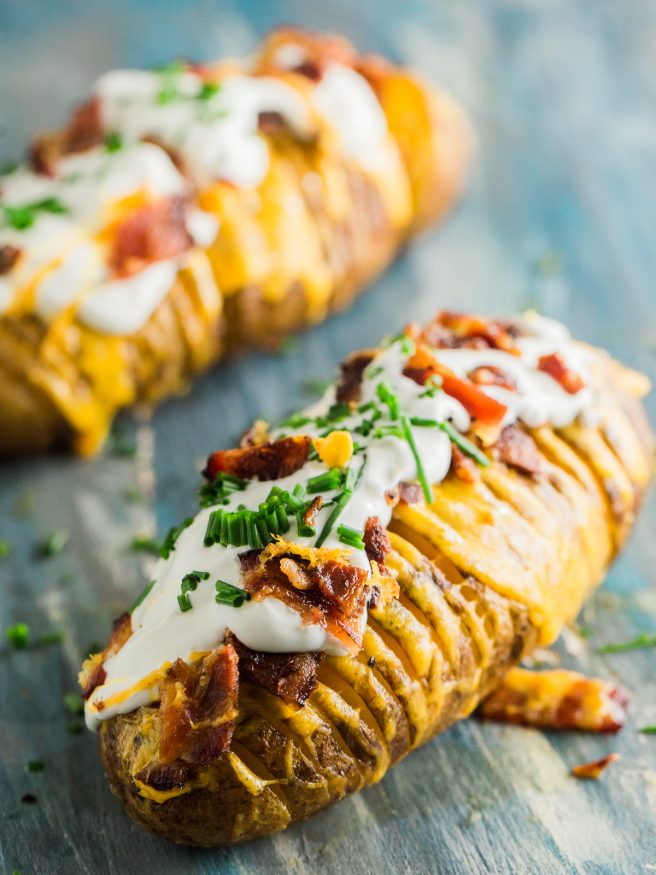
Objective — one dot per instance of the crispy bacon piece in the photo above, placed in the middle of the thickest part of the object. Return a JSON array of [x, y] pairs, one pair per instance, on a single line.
[[554, 365], [310, 515], [198, 705], [410, 493], [165, 776], [351, 371], [557, 699], [490, 375], [376, 540], [327, 593], [462, 466], [83, 132], [451, 330], [292, 676], [150, 234], [595, 769], [93, 673], [268, 461], [517, 448], [8, 257], [423, 365]]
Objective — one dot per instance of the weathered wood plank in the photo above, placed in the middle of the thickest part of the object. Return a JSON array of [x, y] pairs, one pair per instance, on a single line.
[[562, 94]]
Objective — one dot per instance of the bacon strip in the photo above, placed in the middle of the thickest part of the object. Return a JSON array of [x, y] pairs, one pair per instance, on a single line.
[[93, 673], [292, 676], [451, 330], [518, 449], [557, 699], [376, 540], [198, 705], [8, 257], [268, 461], [554, 365], [351, 371], [149, 234]]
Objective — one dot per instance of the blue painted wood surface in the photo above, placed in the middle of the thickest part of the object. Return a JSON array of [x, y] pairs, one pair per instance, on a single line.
[[560, 216]]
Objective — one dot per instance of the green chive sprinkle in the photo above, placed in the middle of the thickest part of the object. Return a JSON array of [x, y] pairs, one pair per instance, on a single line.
[[421, 474], [648, 730], [423, 423], [208, 90], [172, 536], [143, 544], [184, 602], [388, 397], [351, 537], [35, 765], [218, 491], [296, 420], [18, 635], [5, 548], [465, 445], [75, 727], [433, 386], [53, 544], [113, 141], [641, 641], [74, 704], [55, 637], [142, 595], [351, 481], [325, 482], [227, 594]]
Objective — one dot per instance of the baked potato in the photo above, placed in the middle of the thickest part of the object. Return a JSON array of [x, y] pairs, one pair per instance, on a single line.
[[364, 574], [192, 210]]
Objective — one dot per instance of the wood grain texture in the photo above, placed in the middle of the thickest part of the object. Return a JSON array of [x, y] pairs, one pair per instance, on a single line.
[[561, 216]]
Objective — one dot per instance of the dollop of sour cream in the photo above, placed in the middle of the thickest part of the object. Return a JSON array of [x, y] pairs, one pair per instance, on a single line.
[[163, 633]]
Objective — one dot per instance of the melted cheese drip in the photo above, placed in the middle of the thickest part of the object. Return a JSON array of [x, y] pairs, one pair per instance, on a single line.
[[162, 633]]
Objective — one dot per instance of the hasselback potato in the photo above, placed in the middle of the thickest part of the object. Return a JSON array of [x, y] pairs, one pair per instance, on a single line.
[[193, 209], [361, 576]]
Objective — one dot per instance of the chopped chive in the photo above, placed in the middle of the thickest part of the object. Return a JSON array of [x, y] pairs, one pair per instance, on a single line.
[[421, 474], [18, 635], [337, 411], [191, 580], [144, 544], [388, 397], [142, 595], [74, 704], [296, 420], [220, 489], [35, 765], [54, 637], [371, 373], [423, 423], [304, 530], [5, 548], [314, 387], [351, 537], [53, 544], [465, 445], [637, 643], [408, 346], [326, 482], [388, 431], [433, 386], [113, 141], [74, 727], [648, 730], [208, 90], [227, 594], [172, 536], [369, 405], [184, 602]]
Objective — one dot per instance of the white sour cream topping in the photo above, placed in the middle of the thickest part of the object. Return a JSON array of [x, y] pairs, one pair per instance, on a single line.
[[217, 136], [61, 252], [162, 633]]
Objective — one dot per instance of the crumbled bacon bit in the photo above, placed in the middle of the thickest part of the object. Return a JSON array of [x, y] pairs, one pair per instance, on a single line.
[[150, 234], [271, 123], [410, 493], [310, 515], [268, 461], [557, 699], [490, 375], [350, 380], [93, 673], [595, 769], [462, 466], [165, 776], [457, 330], [85, 128], [554, 365], [376, 540], [327, 593], [198, 705], [292, 676], [8, 257], [517, 448]]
